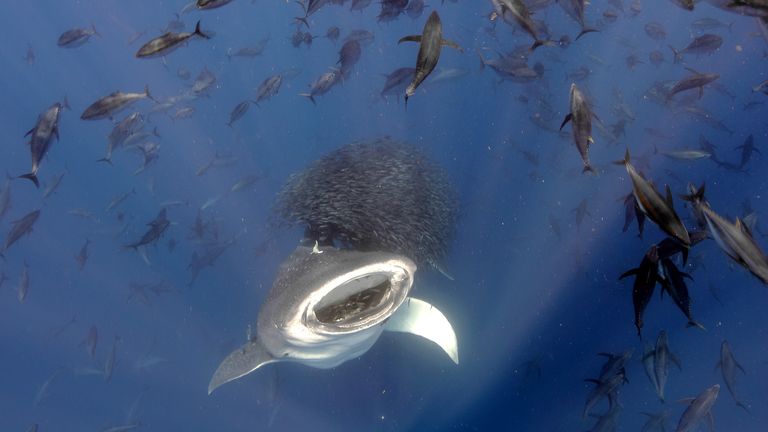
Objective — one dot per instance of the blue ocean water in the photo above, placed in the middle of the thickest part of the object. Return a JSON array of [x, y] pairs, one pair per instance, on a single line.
[[534, 295]]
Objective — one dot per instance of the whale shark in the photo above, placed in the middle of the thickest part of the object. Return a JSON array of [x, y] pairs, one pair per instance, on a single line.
[[330, 305]]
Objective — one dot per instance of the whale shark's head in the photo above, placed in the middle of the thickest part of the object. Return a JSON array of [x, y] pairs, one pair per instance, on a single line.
[[328, 306]]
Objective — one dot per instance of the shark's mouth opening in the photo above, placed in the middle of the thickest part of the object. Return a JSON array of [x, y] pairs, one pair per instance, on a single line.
[[361, 301]]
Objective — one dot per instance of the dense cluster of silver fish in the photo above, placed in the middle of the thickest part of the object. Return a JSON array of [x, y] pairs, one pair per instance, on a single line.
[[660, 265]]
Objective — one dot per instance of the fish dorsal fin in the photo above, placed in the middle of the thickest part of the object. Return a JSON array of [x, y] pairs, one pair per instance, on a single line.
[[741, 226], [422, 319], [693, 71], [411, 38], [240, 362], [669, 196]]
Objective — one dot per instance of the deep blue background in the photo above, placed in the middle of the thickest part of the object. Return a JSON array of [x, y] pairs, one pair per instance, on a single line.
[[519, 293]]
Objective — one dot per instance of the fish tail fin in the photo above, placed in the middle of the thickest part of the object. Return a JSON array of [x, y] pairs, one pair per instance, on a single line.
[[199, 32], [310, 97], [156, 133], [93, 29], [148, 94], [678, 56], [586, 30], [696, 195], [693, 323], [65, 103], [482, 60], [301, 20], [33, 177], [539, 42], [107, 159]]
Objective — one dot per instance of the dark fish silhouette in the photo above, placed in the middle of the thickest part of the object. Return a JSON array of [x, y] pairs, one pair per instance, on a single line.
[[76, 37], [156, 229], [21, 227], [211, 4], [673, 282], [603, 389], [704, 44], [168, 42], [238, 112], [632, 211], [431, 41], [696, 80], [646, 276], [397, 81]]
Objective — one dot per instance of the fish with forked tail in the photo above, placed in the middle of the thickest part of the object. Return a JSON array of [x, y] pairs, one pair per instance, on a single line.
[[168, 42], [41, 137], [661, 211], [431, 41]]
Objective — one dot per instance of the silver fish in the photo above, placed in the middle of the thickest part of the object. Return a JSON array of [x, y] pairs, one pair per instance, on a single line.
[[734, 238], [41, 137], [662, 357], [167, 43], [268, 88], [699, 409], [581, 117], [430, 43], [728, 366], [658, 209], [23, 289], [323, 84], [112, 104]]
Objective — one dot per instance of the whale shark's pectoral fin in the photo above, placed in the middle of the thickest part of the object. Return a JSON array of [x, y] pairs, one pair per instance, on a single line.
[[240, 362], [422, 319]]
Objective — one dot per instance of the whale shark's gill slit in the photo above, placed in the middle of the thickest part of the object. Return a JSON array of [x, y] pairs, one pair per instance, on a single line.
[[354, 301]]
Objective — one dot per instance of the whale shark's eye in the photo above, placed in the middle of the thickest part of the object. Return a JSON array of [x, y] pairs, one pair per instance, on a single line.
[[354, 301]]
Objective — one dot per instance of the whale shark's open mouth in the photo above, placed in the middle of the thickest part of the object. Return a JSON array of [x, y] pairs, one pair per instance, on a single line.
[[348, 304], [359, 299]]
